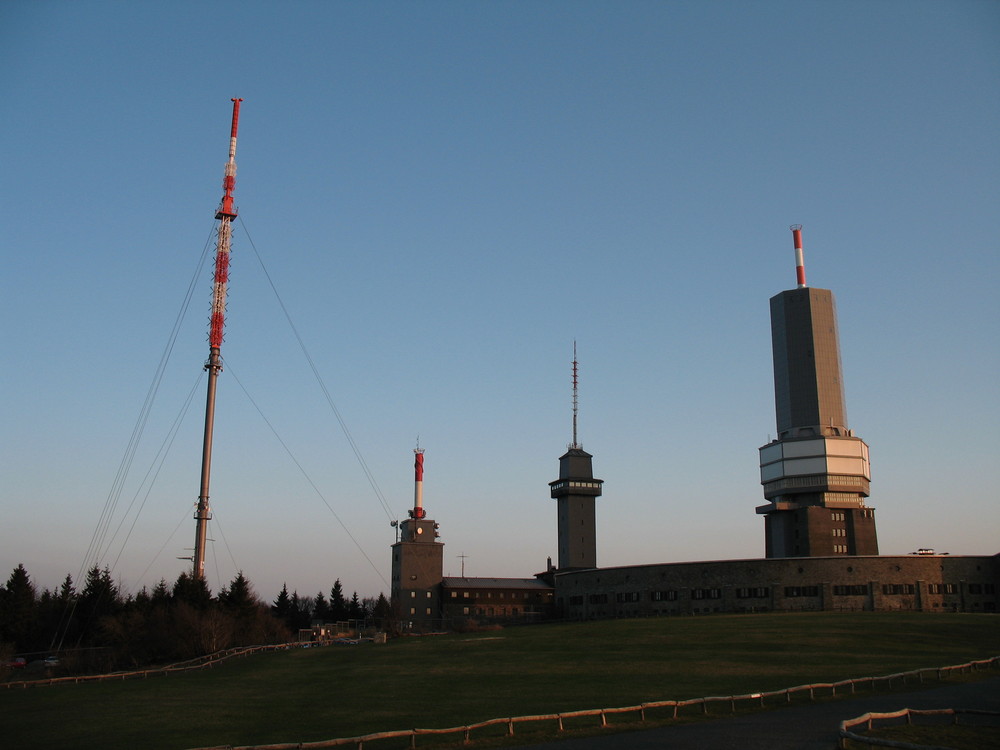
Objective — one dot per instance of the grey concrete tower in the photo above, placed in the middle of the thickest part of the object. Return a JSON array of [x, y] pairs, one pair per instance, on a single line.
[[576, 492], [417, 563], [815, 474]]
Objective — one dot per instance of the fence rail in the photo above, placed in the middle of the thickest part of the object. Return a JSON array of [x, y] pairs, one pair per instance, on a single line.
[[202, 662], [757, 699], [847, 736]]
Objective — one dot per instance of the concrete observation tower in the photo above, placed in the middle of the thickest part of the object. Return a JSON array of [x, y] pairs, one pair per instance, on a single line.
[[815, 474], [576, 492]]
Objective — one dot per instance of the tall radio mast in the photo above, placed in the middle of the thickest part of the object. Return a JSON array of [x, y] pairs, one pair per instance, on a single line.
[[225, 214]]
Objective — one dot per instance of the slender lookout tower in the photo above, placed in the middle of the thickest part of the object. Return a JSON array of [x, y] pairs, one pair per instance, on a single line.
[[576, 492], [417, 561], [815, 474], [225, 214]]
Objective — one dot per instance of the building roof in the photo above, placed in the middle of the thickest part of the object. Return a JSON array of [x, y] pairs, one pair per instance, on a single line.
[[495, 583]]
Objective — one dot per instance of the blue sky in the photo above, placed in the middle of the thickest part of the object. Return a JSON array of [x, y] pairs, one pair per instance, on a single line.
[[446, 195]]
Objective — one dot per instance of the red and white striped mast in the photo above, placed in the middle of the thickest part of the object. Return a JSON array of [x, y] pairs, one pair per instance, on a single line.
[[225, 214], [800, 265], [418, 511]]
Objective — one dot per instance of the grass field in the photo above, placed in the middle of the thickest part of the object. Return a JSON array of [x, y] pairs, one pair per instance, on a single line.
[[313, 694]]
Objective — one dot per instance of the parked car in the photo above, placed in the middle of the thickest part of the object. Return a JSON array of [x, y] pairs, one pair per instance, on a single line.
[[51, 661], [18, 662]]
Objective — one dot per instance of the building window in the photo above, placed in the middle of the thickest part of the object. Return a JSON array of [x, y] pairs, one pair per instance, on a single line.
[[853, 590], [454, 594], [413, 594], [760, 592], [895, 589], [575, 600], [413, 611], [663, 596], [598, 598], [706, 594], [793, 591], [627, 596]]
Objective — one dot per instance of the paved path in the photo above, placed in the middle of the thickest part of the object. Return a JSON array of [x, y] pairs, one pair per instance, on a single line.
[[812, 727]]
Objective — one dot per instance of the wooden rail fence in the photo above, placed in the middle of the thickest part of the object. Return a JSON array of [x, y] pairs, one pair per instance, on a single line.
[[202, 662], [847, 736]]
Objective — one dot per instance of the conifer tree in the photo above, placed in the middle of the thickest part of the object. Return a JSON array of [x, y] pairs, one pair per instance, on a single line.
[[338, 605], [355, 612], [321, 609], [283, 604], [17, 609]]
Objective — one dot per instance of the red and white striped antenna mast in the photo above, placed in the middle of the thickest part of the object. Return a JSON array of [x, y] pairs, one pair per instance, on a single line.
[[418, 511], [225, 214], [800, 265]]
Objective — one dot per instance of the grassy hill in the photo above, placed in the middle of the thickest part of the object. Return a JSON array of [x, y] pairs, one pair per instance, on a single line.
[[306, 695]]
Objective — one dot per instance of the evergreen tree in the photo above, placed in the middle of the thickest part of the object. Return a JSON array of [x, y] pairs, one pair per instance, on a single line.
[[282, 605], [60, 624], [300, 612], [355, 612], [382, 610], [192, 591], [321, 610], [18, 611], [161, 593], [239, 598], [67, 592], [99, 598], [338, 605]]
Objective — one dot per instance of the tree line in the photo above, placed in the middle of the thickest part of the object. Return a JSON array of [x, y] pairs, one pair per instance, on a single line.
[[99, 628]]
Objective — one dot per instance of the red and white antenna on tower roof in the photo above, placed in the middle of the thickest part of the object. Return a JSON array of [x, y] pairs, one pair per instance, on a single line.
[[418, 483], [800, 265]]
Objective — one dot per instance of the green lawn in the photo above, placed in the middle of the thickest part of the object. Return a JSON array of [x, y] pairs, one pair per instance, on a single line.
[[313, 694], [957, 738]]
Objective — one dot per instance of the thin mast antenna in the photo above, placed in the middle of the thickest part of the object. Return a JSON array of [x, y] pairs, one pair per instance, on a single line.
[[225, 214], [800, 265], [576, 400]]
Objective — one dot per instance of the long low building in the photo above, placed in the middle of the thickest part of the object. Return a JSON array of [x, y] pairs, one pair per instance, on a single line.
[[511, 600], [922, 583]]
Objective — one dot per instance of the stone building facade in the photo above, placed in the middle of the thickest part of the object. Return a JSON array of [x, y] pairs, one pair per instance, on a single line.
[[923, 583]]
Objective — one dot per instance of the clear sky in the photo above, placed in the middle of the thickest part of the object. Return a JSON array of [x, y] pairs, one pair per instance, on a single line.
[[446, 195]]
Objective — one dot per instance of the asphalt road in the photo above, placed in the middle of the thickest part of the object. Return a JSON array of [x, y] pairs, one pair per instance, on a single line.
[[812, 727]]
